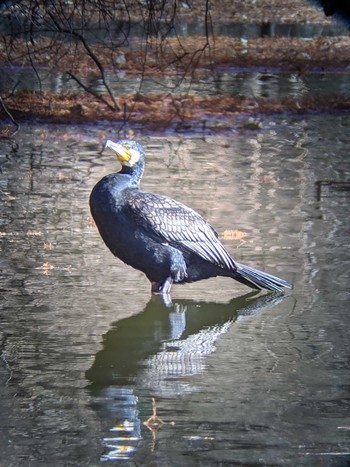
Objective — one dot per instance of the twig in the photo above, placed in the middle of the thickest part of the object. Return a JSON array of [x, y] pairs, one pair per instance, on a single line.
[[9, 116], [90, 91], [97, 62]]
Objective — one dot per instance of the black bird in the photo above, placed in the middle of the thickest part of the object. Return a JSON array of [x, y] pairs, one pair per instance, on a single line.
[[339, 7], [161, 237]]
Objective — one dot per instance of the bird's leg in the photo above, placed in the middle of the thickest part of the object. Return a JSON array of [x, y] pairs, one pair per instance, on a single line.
[[166, 286], [165, 291], [163, 288]]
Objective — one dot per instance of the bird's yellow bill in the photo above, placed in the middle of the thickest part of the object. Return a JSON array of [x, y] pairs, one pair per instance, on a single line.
[[122, 152]]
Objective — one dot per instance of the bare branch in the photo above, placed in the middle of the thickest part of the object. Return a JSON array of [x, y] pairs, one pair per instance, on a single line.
[[91, 91], [93, 56], [8, 113]]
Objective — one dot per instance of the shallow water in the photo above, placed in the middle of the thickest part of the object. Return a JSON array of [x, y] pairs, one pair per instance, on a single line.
[[263, 82], [236, 379]]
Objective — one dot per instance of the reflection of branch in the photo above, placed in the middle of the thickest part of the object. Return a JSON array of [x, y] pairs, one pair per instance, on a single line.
[[33, 66], [94, 57], [99, 66], [90, 91], [9, 116]]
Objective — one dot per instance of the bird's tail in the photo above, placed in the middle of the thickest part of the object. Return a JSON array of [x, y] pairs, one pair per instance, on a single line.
[[259, 280]]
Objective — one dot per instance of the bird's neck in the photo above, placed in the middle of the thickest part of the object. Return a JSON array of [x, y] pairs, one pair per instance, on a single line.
[[135, 172]]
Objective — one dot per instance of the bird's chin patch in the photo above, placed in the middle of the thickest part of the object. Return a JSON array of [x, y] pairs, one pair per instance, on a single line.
[[134, 157]]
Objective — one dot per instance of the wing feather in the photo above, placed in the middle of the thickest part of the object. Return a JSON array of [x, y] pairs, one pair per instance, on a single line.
[[174, 223]]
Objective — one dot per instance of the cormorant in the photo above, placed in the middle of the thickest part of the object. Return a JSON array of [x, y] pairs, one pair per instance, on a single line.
[[161, 237]]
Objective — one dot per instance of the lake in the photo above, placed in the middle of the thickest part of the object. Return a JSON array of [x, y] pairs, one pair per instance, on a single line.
[[230, 377]]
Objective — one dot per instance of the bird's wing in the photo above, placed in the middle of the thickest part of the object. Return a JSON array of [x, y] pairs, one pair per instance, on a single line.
[[176, 224]]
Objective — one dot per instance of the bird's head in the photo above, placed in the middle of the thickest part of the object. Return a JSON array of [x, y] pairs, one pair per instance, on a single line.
[[128, 152]]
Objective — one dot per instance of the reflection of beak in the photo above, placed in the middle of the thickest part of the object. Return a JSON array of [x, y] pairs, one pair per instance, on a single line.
[[122, 153]]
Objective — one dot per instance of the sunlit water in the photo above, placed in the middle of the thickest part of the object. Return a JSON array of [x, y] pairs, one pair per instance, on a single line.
[[235, 379]]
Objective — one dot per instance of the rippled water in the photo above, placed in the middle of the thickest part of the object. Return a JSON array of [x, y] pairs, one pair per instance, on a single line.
[[261, 83], [235, 379]]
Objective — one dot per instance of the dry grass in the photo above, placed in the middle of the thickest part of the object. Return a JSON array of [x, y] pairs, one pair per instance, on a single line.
[[179, 57], [146, 110]]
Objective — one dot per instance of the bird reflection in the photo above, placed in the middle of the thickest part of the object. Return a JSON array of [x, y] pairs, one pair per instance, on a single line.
[[152, 354]]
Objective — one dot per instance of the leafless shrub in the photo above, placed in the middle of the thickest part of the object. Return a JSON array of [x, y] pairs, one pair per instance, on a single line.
[[93, 37]]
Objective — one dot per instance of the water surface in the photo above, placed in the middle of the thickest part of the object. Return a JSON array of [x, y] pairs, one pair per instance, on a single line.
[[235, 379]]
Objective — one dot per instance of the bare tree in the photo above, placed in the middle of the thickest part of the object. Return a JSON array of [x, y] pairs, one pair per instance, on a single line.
[[94, 37]]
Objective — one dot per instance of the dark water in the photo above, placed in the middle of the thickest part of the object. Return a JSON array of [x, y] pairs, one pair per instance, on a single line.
[[261, 83], [236, 379]]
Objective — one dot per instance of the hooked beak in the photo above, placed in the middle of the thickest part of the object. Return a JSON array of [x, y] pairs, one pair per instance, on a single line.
[[122, 153]]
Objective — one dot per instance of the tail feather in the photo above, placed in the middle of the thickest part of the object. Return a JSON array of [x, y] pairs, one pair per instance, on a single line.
[[259, 279]]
